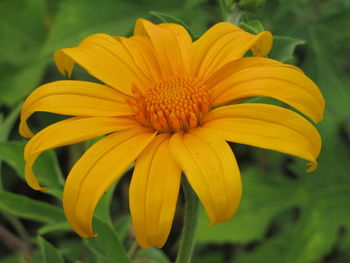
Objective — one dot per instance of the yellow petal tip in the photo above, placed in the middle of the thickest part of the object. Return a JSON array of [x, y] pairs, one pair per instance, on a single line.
[[313, 167], [263, 44], [24, 131], [64, 63], [86, 235]]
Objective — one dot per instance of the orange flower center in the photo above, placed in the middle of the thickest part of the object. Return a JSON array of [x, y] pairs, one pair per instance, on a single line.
[[171, 105]]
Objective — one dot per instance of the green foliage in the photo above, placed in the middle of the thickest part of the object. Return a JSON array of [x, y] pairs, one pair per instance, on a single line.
[[28, 208], [79, 18], [7, 124], [54, 227], [151, 255], [103, 207], [165, 18], [21, 67], [283, 48], [122, 226], [46, 167], [250, 5], [254, 27], [48, 253], [254, 214], [107, 246], [5, 128]]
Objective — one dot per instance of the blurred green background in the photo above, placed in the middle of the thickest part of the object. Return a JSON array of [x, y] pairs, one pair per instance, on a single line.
[[286, 215]]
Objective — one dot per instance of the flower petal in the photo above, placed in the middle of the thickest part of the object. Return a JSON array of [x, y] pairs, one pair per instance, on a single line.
[[153, 193], [143, 53], [171, 43], [104, 58], [77, 98], [222, 43], [249, 77], [211, 170], [96, 171], [70, 131], [266, 126], [184, 42]]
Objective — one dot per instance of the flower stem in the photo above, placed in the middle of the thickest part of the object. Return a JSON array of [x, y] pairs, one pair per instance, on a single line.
[[187, 240], [234, 15]]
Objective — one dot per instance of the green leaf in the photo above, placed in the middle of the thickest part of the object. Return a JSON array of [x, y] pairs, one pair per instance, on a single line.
[[55, 227], [27, 208], [24, 31], [321, 65], [166, 18], [5, 128], [151, 255], [21, 66], [223, 9], [7, 124], [106, 245], [49, 254], [122, 226], [283, 48], [46, 167], [19, 81], [103, 207], [73, 250], [271, 251], [253, 26], [254, 213]]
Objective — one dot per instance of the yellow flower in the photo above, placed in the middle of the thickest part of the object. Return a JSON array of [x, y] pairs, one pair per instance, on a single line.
[[170, 104]]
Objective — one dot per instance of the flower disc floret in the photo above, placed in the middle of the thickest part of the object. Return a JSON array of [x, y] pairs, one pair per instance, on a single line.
[[171, 105]]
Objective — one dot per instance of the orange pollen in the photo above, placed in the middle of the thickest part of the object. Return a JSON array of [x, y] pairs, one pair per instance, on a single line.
[[171, 105]]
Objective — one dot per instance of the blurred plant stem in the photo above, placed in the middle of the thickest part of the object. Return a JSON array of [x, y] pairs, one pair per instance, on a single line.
[[18, 226], [230, 12], [234, 15], [15, 243], [187, 240]]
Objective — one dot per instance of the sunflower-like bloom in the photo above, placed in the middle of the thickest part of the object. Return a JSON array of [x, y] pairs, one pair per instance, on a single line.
[[170, 104]]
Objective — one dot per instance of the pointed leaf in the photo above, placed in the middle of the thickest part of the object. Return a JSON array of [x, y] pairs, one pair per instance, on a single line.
[[107, 244], [27, 208], [49, 254]]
